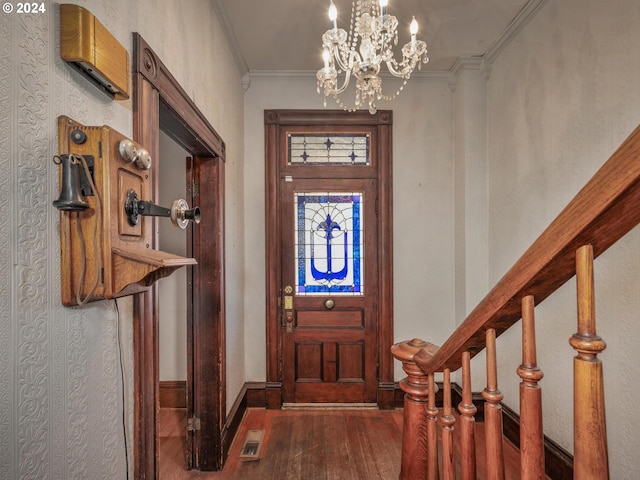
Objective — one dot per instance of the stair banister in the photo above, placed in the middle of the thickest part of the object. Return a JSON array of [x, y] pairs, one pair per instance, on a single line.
[[606, 208]]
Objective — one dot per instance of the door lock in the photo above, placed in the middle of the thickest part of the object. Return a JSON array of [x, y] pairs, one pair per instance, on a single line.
[[287, 308], [289, 320]]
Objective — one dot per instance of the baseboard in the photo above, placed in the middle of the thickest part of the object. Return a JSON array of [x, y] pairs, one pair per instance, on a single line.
[[173, 394], [232, 423]]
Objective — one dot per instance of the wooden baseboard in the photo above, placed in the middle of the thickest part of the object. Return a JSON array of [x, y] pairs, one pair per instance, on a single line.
[[173, 394]]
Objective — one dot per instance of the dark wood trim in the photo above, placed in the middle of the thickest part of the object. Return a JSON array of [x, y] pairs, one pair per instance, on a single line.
[[274, 120], [232, 424], [160, 102], [327, 117], [172, 393], [191, 126], [146, 131]]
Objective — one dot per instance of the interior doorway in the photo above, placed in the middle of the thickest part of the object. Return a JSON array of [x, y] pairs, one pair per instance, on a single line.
[[174, 303], [160, 103]]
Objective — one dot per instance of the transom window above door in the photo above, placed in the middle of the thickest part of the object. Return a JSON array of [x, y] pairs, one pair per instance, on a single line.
[[329, 149]]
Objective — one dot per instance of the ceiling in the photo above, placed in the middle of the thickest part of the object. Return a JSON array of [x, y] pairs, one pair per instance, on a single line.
[[287, 34]]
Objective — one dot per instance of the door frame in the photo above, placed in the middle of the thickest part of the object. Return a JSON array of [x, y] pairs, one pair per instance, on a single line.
[[276, 121], [160, 101]]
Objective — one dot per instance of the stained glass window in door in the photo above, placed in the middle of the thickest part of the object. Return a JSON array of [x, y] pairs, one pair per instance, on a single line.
[[329, 149], [329, 243]]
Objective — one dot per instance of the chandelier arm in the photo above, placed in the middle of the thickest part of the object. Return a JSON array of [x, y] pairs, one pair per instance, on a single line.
[[345, 84], [345, 65], [403, 72]]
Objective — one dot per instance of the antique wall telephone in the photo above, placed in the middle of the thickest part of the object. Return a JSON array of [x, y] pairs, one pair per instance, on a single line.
[[105, 235]]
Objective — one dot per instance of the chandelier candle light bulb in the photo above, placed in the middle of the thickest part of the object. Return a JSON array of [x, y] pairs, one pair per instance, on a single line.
[[361, 53], [333, 16], [413, 29]]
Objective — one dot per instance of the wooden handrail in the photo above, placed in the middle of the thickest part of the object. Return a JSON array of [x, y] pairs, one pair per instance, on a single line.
[[599, 215]]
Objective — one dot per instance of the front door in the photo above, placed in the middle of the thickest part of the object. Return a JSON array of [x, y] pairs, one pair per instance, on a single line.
[[329, 326], [329, 279]]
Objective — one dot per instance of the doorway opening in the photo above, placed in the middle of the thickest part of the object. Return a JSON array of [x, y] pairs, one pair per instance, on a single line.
[[160, 103], [174, 309]]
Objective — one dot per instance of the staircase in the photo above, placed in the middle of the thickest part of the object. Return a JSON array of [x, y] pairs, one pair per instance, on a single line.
[[599, 215]]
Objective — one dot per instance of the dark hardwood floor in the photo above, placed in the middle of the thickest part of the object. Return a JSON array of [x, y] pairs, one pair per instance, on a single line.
[[310, 444]]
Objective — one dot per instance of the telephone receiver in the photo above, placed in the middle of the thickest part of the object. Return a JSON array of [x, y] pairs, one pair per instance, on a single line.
[[73, 184], [76, 185]]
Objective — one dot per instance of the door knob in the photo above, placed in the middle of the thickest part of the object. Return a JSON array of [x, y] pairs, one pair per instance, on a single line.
[[329, 304]]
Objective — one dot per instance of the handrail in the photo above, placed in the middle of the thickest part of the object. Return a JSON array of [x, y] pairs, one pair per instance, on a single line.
[[600, 214]]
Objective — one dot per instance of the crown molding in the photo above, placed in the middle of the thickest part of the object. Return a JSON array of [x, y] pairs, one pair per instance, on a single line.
[[223, 17], [524, 16], [439, 75]]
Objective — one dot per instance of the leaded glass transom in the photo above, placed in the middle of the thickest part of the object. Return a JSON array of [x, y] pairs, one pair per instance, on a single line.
[[329, 243], [325, 149]]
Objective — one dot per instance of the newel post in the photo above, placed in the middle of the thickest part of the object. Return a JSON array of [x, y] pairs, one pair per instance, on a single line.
[[415, 451]]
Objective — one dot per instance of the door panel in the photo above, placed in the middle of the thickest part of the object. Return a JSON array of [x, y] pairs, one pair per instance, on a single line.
[[329, 263]]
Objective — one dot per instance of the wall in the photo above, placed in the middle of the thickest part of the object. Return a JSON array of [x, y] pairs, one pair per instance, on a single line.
[[423, 205], [61, 394], [561, 99], [172, 320]]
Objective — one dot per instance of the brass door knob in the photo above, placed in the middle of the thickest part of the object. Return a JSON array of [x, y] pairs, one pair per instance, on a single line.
[[329, 304]]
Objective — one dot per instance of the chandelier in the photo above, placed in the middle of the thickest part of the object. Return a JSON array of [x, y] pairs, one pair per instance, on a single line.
[[360, 53]]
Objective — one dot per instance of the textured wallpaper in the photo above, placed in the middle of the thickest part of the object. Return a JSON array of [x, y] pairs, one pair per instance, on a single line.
[[61, 401], [61, 387]]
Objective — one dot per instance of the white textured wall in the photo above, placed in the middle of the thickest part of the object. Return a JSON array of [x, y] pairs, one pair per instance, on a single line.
[[60, 387], [561, 98], [172, 318], [423, 206]]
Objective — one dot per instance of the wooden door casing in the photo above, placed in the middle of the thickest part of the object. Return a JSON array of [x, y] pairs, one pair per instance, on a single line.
[[277, 122], [160, 102]]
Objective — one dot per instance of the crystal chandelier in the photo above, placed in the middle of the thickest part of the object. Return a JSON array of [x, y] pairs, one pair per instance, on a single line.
[[370, 41]]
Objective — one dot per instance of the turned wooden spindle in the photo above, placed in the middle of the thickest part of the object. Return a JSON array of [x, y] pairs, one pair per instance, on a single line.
[[531, 433], [447, 420], [467, 423], [415, 458], [432, 430], [590, 455], [493, 414]]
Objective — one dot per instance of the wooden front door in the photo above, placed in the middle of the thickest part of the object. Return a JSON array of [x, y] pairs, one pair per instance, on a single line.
[[329, 292], [329, 325]]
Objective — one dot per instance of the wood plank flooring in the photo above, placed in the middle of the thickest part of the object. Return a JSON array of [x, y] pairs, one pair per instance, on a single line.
[[310, 444]]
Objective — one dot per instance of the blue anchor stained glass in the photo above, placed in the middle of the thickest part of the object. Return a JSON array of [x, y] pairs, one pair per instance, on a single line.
[[329, 149], [328, 243]]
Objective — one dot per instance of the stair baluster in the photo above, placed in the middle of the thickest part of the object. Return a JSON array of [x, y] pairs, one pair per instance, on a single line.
[[590, 455], [467, 423], [531, 433], [432, 431], [493, 414], [447, 420]]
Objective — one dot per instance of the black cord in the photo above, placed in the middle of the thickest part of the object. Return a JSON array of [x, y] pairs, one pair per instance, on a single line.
[[124, 410]]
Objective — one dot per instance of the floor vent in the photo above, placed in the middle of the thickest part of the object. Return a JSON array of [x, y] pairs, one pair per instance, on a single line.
[[252, 444]]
